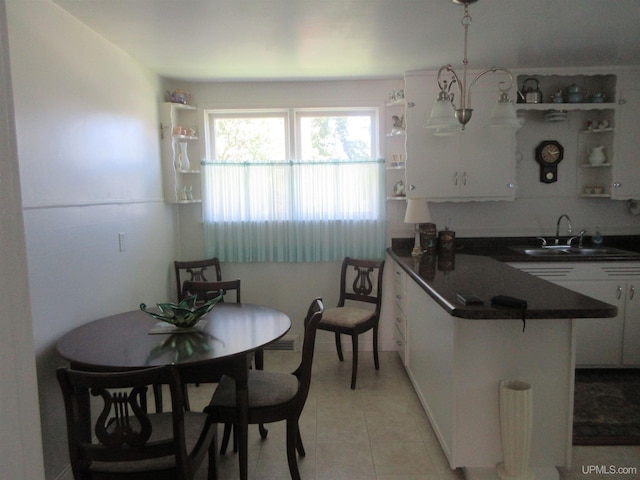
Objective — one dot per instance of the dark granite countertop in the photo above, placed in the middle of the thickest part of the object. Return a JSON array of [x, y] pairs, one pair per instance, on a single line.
[[444, 276]]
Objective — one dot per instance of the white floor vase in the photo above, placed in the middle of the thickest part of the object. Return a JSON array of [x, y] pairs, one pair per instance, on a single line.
[[516, 423]]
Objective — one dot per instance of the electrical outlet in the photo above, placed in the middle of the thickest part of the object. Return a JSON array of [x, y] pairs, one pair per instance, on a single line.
[[121, 243]]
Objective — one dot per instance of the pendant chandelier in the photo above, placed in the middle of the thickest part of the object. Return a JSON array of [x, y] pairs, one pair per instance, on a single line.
[[445, 117]]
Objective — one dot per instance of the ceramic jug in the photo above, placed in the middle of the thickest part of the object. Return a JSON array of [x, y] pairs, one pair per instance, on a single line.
[[597, 156], [575, 94]]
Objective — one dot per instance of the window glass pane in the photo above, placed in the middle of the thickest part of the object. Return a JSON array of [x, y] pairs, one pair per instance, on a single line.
[[336, 137], [249, 139]]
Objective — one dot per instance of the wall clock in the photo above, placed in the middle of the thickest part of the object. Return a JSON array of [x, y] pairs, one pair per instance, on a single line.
[[549, 153]]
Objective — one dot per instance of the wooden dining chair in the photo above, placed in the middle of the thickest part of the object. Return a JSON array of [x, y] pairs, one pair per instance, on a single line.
[[274, 396], [360, 282], [115, 437], [209, 290], [196, 271], [206, 291]]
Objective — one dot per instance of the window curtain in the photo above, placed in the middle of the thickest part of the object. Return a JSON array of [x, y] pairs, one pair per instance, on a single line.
[[294, 212]]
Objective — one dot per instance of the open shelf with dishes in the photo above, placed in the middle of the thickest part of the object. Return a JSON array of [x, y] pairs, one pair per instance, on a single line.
[[595, 154], [395, 145], [566, 92], [178, 143]]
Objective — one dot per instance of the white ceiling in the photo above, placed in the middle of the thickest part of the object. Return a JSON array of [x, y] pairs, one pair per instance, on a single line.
[[328, 39]]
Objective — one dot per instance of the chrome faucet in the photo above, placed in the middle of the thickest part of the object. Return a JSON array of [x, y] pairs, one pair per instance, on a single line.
[[564, 215]]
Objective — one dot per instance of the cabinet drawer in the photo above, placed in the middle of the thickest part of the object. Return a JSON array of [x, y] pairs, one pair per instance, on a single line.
[[401, 302], [401, 325], [559, 271], [400, 278], [401, 345]]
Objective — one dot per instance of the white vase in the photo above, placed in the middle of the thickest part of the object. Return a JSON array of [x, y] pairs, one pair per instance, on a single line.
[[516, 424], [184, 158]]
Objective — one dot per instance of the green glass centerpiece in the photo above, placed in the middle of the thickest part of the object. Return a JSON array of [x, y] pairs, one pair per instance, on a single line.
[[184, 314]]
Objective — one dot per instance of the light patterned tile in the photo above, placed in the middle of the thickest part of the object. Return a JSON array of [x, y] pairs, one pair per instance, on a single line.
[[377, 432], [402, 459]]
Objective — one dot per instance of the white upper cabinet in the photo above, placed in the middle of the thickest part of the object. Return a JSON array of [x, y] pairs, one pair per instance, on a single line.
[[626, 168], [478, 164]]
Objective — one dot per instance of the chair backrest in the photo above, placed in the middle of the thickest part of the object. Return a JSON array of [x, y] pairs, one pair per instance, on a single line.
[[122, 428], [208, 290], [197, 271], [362, 283], [303, 372]]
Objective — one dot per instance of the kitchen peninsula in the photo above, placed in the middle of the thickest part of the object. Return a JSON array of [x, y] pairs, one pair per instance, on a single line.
[[456, 355]]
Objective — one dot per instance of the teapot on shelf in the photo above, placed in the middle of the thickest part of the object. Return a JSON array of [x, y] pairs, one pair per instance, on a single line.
[[597, 155], [178, 96]]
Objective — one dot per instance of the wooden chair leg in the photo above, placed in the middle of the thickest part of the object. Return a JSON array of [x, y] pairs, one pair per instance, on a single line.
[[354, 367], [299, 445], [225, 438], [339, 347], [157, 397], [259, 359], [212, 473], [292, 434], [376, 361], [185, 393]]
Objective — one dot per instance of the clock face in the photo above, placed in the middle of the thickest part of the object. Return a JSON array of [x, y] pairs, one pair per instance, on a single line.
[[549, 152]]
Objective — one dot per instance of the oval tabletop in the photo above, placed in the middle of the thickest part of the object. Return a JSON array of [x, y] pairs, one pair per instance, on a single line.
[[123, 341]]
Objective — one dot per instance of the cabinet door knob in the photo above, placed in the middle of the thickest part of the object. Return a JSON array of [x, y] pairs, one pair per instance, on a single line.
[[411, 187], [618, 292], [622, 101], [464, 178], [455, 179], [617, 184], [632, 292]]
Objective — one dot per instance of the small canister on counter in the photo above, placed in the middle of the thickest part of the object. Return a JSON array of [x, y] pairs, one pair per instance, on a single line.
[[446, 240], [428, 237]]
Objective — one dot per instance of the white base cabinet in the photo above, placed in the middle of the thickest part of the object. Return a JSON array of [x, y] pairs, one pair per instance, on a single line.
[[601, 342], [456, 367]]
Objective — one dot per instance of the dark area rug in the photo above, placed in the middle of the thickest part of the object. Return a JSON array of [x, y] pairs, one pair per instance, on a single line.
[[607, 407]]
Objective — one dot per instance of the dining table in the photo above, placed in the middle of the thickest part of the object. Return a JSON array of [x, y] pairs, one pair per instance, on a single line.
[[223, 343]]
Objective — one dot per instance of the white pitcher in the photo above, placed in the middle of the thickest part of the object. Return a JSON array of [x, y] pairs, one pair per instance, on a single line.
[[597, 156]]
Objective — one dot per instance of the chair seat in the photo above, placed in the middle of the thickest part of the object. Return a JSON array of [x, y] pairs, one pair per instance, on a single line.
[[265, 389], [162, 424], [345, 316]]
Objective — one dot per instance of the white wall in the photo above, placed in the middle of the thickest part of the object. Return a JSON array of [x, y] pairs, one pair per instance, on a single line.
[[20, 440], [88, 147]]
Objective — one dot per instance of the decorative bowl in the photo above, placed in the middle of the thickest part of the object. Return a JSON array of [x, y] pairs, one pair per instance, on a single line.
[[184, 314]]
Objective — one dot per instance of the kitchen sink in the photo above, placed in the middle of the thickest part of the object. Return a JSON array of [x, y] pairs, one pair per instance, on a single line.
[[566, 250]]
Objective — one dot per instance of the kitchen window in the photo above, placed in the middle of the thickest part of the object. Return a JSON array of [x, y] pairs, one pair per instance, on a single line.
[[293, 185]]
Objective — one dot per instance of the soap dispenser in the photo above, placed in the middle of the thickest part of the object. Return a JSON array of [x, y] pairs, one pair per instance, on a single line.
[[597, 239]]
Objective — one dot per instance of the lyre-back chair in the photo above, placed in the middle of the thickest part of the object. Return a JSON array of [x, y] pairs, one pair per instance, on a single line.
[[124, 440], [274, 396], [366, 287], [196, 271]]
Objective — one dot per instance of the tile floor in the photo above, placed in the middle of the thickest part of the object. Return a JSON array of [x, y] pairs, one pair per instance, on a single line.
[[376, 432]]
